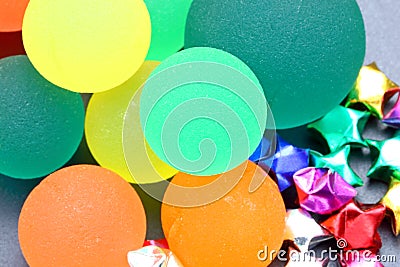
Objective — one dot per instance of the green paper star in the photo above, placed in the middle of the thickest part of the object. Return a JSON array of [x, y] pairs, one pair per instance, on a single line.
[[338, 162], [387, 158], [342, 126]]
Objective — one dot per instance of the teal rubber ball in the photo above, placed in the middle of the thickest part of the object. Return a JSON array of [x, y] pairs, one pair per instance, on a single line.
[[305, 53], [41, 124]]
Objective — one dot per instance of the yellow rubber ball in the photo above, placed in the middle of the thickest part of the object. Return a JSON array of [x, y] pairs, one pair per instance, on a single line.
[[86, 46], [104, 123]]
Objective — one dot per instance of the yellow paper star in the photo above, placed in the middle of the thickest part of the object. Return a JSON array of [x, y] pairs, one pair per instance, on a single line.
[[392, 202], [369, 89]]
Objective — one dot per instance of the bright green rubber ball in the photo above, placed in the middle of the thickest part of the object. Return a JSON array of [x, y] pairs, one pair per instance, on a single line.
[[41, 124], [203, 111], [168, 20]]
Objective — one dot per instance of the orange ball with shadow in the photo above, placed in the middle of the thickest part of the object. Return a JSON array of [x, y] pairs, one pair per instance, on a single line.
[[231, 230], [82, 215]]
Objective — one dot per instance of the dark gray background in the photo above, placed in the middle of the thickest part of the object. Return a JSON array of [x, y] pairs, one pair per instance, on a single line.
[[382, 20]]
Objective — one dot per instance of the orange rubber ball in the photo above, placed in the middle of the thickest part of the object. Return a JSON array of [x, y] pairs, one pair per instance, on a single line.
[[230, 231], [11, 14], [82, 215]]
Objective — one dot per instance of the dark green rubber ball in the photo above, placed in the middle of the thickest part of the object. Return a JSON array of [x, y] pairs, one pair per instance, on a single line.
[[41, 125], [306, 53]]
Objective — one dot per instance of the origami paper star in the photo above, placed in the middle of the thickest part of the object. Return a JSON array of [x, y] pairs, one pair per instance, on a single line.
[[369, 89], [356, 226], [342, 126], [392, 202], [322, 191], [387, 159], [161, 243], [153, 256], [286, 160], [301, 228], [392, 118], [338, 162]]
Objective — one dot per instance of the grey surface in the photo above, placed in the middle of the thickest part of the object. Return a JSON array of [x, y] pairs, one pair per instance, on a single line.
[[12, 195], [382, 19]]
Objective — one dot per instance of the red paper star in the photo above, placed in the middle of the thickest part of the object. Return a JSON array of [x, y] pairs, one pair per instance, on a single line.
[[356, 226]]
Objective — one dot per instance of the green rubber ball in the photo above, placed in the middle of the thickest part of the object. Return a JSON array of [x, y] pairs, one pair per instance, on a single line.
[[203, 111], [168, 19], [306, 53], [41, 125]]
